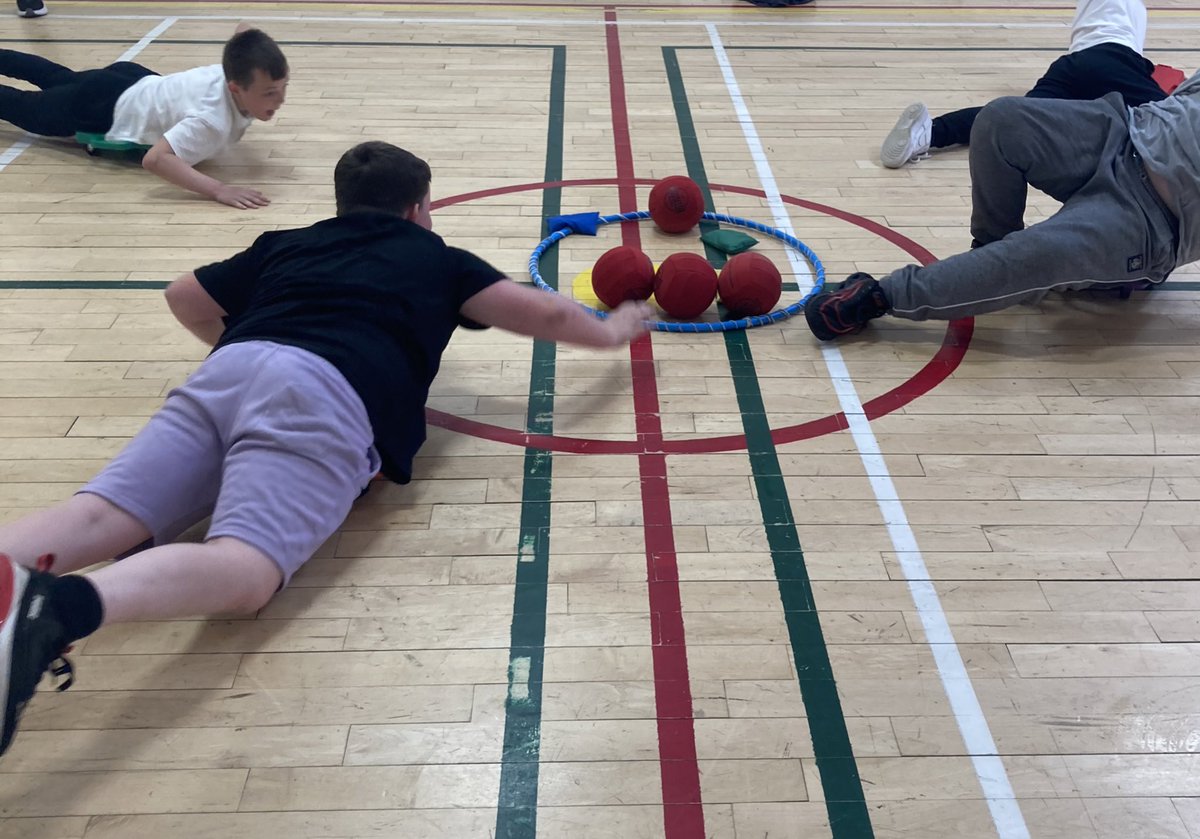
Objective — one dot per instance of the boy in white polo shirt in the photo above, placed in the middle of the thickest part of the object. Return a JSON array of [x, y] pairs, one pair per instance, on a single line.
[[184, 117], [1105, 56]]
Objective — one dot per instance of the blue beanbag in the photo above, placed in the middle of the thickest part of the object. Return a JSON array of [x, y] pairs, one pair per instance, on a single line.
[[586, 223]]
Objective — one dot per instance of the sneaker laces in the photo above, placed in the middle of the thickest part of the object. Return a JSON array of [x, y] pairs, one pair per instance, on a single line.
[[922, 138], [866, 306], [61, 666]]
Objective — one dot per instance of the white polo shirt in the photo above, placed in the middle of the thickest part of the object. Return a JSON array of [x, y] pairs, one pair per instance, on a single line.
[[193, 110], [1109, 22]]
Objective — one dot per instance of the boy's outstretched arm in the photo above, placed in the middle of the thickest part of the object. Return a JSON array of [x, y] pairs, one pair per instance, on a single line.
[[539, 314], [162, 161]]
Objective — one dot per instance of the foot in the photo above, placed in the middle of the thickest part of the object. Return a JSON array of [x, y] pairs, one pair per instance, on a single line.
[[846, 309], [910, 137], [31, 8], [31, 641]]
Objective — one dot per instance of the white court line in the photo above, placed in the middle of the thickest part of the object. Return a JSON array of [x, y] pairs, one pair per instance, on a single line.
[[972, 724], [149, 37], [408, 20], [14, 151], [804, 276]]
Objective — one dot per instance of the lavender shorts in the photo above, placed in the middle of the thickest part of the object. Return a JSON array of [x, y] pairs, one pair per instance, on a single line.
[[269, 439]]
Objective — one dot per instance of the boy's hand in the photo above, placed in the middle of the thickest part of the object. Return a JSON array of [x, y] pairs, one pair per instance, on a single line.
[[241, 197], [629, 321]]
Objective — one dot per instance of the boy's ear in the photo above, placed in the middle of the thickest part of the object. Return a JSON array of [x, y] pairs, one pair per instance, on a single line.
[[411, 212]]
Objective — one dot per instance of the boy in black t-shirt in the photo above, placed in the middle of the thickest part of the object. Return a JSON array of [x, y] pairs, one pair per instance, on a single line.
[[326, 341]]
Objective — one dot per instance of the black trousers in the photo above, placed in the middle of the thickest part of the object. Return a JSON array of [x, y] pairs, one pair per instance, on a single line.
[[1087, 74], [68, 101]]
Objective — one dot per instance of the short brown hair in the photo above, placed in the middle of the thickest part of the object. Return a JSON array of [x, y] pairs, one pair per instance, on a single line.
[[252, 50], [379, 176]]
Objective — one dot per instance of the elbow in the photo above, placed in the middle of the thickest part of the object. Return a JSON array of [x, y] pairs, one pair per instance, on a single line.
[[153, 159], [176, 297], [172, 297]]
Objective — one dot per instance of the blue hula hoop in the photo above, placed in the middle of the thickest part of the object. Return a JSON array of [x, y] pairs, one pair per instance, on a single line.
[[786, 312]]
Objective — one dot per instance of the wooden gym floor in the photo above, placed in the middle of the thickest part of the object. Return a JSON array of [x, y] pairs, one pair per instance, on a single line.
[[935, 581]]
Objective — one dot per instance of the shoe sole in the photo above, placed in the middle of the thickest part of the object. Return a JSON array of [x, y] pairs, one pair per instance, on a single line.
[[32, 13], [13, 581], [894, 153]]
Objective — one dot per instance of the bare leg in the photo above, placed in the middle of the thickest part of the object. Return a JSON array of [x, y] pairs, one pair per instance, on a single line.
[[40, 614], [81, 531], [223, 576]]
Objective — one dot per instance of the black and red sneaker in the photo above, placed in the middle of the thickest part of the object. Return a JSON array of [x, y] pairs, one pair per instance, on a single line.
[[32, 641], [847, 308]]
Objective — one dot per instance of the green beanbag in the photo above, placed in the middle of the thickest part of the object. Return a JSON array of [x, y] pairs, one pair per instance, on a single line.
[[729, 241]]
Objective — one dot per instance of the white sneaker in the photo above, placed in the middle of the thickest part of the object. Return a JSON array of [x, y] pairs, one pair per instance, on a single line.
[[909, 139], [31, 8]]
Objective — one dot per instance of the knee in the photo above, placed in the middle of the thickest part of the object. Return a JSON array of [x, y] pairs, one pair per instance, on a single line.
[[102, 516], [97, 510], [254, 577], [251, 599], [998, 116]]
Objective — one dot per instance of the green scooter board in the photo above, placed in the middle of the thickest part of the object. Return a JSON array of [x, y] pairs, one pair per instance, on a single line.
[[95, 143]]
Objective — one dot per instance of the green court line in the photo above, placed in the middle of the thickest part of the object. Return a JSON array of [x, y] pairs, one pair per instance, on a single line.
[[844, 799], [483, 45], [516, 814], [65, 284], [1169, 285], [880, 48], [287, 43]]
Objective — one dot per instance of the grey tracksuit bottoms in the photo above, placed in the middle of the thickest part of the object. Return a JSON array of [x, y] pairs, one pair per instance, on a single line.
[[1112, 229]]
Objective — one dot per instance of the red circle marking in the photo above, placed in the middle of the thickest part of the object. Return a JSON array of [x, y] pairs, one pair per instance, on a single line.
[[936, 370]]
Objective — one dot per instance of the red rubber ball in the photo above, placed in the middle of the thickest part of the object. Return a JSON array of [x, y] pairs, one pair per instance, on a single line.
[[623, 273], [685, 285], [749, 284], [676, 204]]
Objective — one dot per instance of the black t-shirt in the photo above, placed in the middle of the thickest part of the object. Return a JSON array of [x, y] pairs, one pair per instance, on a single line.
[[375, 295]]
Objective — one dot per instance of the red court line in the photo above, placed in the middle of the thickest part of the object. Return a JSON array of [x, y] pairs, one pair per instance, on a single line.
[[954, 347], [683, 813]]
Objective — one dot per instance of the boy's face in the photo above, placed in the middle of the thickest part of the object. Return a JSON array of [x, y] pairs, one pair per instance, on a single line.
[[420, 214], [262, 98]]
